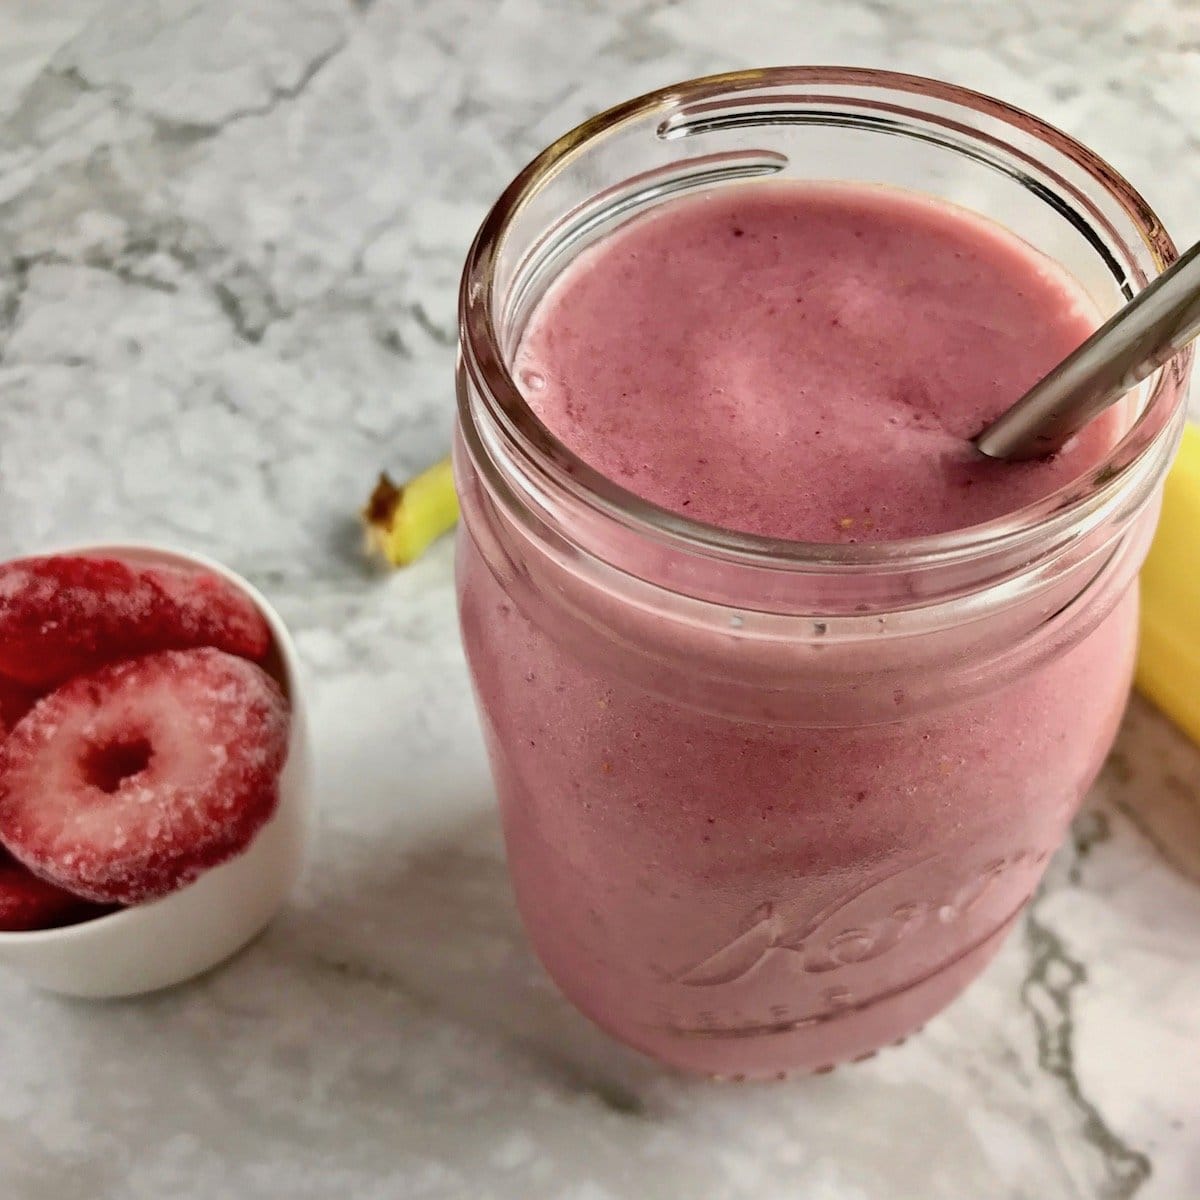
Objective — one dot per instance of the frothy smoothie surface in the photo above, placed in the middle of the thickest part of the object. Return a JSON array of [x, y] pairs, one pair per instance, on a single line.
[[807, 361]]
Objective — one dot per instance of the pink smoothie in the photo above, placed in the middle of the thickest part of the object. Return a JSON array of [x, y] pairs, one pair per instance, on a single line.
[[733, 890], [807, 362]]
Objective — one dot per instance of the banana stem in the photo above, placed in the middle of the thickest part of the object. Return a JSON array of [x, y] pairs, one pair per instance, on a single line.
[[402, 521]]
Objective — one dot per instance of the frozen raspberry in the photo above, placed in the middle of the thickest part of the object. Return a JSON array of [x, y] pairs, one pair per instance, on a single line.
[[128, 783], [27, 902], [63, 615], [15, 701]]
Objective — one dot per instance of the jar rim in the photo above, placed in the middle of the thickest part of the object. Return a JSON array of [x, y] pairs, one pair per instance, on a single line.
[[539, 451]]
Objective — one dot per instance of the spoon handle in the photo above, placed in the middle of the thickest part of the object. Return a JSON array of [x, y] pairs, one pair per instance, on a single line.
[[1137, 340]]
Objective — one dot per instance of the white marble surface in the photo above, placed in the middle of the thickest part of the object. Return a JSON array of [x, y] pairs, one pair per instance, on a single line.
[[229, 239]]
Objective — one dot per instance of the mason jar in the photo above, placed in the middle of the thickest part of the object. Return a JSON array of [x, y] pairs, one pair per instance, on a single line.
[[770, 805]]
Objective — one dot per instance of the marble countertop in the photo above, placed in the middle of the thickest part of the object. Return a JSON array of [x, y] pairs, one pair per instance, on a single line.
[[230, 234]]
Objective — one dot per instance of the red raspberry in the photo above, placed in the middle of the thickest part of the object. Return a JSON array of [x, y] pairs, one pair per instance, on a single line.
[[128, 783], [27, 902], [63, 615]]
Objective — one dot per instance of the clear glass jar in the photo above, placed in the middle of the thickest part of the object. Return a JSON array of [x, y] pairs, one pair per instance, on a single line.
[[770, 805]]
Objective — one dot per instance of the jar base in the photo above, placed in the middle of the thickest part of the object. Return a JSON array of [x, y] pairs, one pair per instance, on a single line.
[[813, 1049]]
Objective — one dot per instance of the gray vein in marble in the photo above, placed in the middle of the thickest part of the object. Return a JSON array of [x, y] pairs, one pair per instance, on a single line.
[[185, 131], [1047, 992]]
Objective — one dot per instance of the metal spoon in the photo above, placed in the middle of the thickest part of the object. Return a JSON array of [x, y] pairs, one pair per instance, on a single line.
[[1150, 330]]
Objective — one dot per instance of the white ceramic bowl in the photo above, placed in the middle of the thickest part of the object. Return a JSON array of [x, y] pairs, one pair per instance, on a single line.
[[166, 941]]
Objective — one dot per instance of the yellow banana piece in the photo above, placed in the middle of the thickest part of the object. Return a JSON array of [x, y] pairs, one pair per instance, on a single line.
[[1168, 668], [402, 521]]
